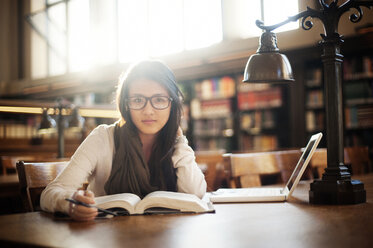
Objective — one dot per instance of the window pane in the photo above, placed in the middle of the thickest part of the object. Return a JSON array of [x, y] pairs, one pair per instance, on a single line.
[[203, 23], [165, 26], [277, 11], [57, 65], [56, 33], [79, 49], [240, 17], [132, 29], [103, 39]]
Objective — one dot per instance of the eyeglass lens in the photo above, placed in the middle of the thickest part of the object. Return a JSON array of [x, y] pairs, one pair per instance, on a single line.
[[157, 102]]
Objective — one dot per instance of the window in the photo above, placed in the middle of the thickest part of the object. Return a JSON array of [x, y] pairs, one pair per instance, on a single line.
[[80, 34], [74, 35], [242, 14]]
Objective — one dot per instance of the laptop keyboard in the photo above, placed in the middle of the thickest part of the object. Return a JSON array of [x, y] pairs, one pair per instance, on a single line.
[[250, 191]]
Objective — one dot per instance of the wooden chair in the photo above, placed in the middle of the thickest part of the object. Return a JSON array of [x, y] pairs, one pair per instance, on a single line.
[[212, 166], [287, 160], [33, 178], [246, 169], [355, 158], [358, 157], [9, 162], [319, 162]]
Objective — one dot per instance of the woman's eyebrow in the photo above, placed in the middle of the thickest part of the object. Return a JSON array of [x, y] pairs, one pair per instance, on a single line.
[[158, 94]]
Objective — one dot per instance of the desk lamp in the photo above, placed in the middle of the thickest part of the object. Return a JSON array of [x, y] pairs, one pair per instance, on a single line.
[[48, 124], [269, 66]]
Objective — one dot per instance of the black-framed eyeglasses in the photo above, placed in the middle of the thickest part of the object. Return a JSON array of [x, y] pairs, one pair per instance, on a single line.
[[157, 102]]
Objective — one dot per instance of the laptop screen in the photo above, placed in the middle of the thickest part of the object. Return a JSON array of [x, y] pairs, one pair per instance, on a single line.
[[304, 160]]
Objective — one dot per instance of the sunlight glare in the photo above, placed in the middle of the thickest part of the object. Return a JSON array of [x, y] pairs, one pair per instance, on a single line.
[[132, 30], [202, 20]]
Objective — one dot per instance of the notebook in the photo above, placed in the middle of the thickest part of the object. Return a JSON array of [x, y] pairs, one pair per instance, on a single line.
[[263, 194]]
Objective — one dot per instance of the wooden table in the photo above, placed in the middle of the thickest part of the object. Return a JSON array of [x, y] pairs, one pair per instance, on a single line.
[[291, 224]]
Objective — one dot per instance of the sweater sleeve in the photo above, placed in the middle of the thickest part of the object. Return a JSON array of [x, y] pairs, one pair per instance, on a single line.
[[81, 166], [190, 178]]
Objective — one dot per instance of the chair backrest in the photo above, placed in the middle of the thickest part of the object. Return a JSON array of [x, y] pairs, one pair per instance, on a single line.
[[318, 161], [214, 168], [287, 160], [9, 162], [33, 178], [356, 158], [247, 168]]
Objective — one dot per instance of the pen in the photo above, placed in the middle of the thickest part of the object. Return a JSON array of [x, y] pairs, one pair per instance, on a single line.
[[90, 206]]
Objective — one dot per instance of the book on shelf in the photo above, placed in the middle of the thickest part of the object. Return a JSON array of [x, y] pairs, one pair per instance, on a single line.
[[260, 142], [211, 108], [358, 67], [315, 98], [360, 89], [258, 120], [268, 98], [314, 121], [314, 77], [223, 87], [158, 202]]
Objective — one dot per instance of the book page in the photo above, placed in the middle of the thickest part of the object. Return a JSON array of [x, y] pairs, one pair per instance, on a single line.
[[127, 201], [173, 200]]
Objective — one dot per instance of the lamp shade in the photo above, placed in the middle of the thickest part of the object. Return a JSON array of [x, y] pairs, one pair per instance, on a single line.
[[76, 122], [47, 124], [271, 67], [268, 65]]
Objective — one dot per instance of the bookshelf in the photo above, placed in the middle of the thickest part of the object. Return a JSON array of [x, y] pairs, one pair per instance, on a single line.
[[357, 92], [263, 117], [226, 114], [314, 100], [212, 116], [358, 99]]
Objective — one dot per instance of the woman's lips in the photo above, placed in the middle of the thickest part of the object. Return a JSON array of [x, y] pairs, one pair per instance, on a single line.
[[148, 121]]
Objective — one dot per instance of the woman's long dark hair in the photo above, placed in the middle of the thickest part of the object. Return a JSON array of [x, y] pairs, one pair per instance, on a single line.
[[161, 168]]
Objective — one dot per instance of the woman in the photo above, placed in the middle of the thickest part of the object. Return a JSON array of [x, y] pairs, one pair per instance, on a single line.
[[143, 152]]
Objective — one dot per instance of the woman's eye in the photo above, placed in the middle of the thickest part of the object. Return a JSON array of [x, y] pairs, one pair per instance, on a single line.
[[137, 100], [160, 99]]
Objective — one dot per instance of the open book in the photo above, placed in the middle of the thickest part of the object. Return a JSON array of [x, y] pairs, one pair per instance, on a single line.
[[154, 203]]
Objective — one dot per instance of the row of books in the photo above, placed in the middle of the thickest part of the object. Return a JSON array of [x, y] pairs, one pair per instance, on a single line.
[[245, 87], [360, 89], [211, 108], [213, 144], [15, 130], [358, 67], [257, 120], [260, 142], [26, 131], [213, 127], [314, 98], [315, 121], [269, 98], [359, 116], [314, 77], [223, 87]]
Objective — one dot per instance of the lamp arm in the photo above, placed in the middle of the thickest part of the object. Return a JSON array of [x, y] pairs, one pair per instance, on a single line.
[[355, 5], [306, 25], [329, 15]]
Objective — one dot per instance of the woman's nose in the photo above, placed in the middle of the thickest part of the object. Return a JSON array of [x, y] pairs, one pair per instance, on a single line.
[[148, 107]]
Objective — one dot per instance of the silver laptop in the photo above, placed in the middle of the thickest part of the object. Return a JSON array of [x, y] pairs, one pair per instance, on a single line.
[[264, 194]]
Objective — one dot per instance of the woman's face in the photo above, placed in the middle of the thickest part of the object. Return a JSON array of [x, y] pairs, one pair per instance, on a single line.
[[148, 120]]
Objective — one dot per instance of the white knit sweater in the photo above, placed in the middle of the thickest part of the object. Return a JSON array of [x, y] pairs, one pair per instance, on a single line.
[[92, 162]]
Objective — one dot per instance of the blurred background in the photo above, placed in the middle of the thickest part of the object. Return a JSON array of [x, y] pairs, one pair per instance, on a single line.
[[60, 54]]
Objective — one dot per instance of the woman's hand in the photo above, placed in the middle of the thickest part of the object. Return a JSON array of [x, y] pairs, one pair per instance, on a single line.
[[81, 213]]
